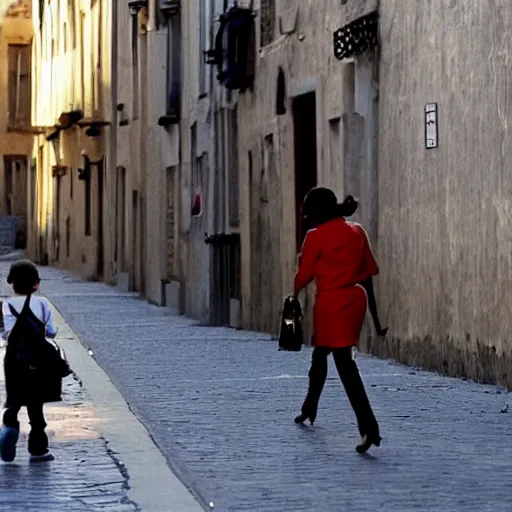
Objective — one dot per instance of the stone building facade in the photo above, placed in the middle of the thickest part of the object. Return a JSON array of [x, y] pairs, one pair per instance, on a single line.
[[445, 214], [412, 128], [16, 133], [308, 120], [73, 109], [203, 179]]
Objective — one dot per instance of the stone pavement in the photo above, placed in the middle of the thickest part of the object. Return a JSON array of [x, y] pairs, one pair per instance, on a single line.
[[84, 476], [220, 405]]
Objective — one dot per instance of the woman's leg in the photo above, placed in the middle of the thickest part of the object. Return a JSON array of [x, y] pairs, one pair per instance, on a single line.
[[37, 438], [317, 377], [354, 387]]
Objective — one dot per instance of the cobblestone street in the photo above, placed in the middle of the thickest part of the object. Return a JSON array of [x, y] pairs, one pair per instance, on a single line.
[[84, 475], [220, 405]]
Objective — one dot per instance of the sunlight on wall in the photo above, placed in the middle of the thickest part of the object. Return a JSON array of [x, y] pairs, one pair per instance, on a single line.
[[16, 5]]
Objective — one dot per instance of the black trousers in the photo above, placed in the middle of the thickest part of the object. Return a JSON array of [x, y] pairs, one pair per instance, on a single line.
[[37, 438], [351, 380]]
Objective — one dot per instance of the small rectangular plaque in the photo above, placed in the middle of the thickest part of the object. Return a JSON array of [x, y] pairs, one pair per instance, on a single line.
[[431, 133]]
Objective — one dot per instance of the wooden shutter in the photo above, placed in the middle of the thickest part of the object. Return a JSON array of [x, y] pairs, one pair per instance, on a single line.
[[19, 57]]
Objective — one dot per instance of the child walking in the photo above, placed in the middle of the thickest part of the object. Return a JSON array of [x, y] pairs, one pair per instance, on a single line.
[[33, 367]]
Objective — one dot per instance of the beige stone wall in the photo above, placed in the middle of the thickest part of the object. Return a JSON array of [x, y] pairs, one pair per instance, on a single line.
[[446, 213], [72, 72], [305, 55], [15, 28], [193, 253], [146, 151]]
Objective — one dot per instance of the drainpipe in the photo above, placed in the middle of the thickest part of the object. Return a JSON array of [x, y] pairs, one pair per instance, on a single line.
[[152, 15], [112, 176]]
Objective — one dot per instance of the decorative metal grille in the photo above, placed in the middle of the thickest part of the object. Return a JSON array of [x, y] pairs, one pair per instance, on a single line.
[[357, 37]]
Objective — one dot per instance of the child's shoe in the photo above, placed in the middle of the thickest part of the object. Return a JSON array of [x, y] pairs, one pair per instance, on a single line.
[[45, 457], [8, 439]]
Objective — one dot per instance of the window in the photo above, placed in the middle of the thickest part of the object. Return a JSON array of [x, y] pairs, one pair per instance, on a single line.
[[96, 64], [173, 66], [281, 93], [95, 42], [33, 190], [68, 235], [220, 169], [8, 168], [171, 222], [72, 24], [305, 148], [120, 246], [87, 203], [15, 185], [135, 67], [267, 21], [204, 34], [196, 164], [71, 174], [232, 160], [336, 153], [349, 87], [19, 84], [57, 213], [82, 57]]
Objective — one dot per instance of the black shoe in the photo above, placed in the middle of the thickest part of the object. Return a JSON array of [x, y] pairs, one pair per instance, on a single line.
[[367, 441], [301, 418], [45, 457]]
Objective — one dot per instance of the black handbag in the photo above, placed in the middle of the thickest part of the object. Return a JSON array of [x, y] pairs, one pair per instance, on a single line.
[[290, 334]]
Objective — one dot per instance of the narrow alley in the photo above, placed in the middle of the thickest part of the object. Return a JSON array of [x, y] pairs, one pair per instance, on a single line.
[[220, 403]]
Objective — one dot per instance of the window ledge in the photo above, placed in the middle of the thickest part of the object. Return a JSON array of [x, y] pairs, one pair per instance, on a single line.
[[22, 127], [169, 119]]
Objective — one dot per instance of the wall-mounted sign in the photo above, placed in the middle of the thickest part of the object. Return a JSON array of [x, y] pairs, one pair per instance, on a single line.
[[431, 133]]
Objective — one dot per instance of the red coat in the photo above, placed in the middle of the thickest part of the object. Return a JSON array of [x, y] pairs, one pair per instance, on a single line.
[[338, 256]]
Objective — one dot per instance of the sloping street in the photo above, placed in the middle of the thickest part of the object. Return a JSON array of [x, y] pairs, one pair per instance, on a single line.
[[220, 405]]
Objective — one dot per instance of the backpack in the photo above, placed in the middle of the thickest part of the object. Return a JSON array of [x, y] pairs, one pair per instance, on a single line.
[[34, 366]]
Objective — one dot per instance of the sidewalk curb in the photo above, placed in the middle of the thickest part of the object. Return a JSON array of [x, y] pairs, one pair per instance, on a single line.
[[152, 484]]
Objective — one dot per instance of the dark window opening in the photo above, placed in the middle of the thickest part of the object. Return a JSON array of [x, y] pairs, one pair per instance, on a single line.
[[233, 178], [19, 59], [68, 235], [135, 67], [56, 224], [267, 21], [8, 185], [33, 190], [99, 221], [304, 117], [281, 94], [87, 212], [173, 66]]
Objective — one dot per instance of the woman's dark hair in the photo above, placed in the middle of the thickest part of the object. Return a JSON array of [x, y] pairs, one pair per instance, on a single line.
[[23, 276], [321, 205]]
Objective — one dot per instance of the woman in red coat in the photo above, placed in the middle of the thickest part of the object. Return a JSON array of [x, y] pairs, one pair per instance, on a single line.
[[338, 256]]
